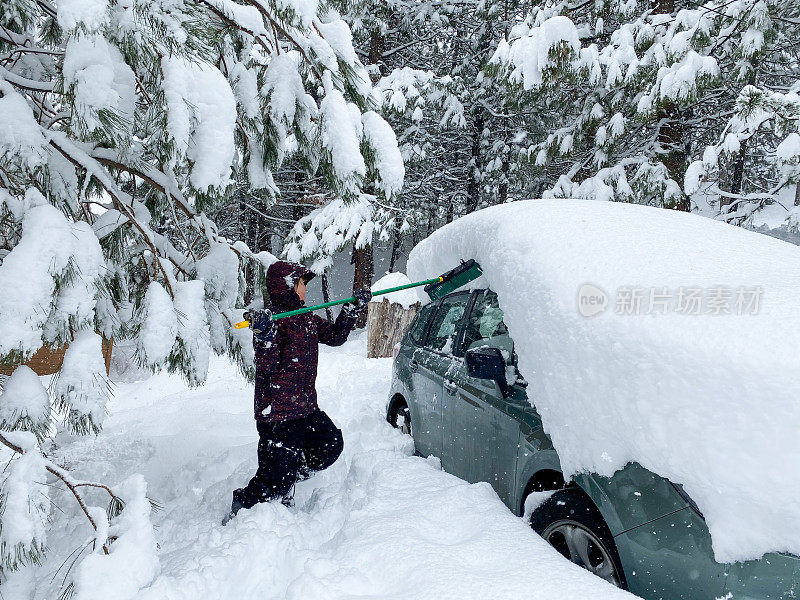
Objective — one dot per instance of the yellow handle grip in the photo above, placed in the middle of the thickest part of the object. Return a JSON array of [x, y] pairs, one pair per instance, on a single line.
[[242, 324]]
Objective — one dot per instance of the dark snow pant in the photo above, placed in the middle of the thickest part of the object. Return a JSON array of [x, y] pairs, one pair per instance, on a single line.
[[288, 450]]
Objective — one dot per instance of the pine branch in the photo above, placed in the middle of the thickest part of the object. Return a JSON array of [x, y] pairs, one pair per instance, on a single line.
[[12, 37], [65, 479], [262, 41], [74, 155], [31, 85], [48, 8], [299, 47], [166, 185]]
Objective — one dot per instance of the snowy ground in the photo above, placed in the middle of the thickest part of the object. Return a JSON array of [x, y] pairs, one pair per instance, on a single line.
[[380, 524]]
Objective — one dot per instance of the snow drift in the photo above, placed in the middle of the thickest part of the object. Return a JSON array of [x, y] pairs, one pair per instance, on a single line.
[[707, 400]]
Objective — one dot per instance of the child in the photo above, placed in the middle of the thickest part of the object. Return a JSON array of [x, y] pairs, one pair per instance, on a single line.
[[296, 438]]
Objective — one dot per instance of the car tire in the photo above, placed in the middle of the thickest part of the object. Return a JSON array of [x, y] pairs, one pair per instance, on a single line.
[[571, 523], [400, 416]]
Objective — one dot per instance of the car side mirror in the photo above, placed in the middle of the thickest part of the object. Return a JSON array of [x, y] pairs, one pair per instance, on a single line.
[[487, 363]]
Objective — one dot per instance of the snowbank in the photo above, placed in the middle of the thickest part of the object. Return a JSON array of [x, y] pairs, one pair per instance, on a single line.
[[132, 561], [404, 297], [708, 400]]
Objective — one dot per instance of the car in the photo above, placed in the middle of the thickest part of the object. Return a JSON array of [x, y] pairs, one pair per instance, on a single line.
[[457, 391]]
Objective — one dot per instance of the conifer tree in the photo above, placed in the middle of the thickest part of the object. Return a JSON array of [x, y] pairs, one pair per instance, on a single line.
[[122, 126], [630, 92]]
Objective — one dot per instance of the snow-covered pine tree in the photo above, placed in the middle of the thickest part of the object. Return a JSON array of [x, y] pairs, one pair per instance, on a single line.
[[752, 161], [457, 135], [409, 52], [629, 91], [122, 123]]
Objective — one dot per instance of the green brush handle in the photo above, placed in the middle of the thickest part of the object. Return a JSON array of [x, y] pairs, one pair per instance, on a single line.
[[306, 309]]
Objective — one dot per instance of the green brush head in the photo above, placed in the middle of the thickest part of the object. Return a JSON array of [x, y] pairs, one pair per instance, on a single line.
[[454, 279]]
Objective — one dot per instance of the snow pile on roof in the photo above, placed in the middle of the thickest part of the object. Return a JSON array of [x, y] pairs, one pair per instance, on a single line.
[[405, 297], [707, 400]]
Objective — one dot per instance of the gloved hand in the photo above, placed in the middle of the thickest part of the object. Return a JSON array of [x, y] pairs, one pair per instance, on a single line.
[[262, 324], [362, 298]]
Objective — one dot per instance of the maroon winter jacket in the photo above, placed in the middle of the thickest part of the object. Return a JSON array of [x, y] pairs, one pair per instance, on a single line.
[[286, 368]]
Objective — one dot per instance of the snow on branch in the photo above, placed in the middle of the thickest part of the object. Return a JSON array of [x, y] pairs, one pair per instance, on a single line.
[[327, 230]]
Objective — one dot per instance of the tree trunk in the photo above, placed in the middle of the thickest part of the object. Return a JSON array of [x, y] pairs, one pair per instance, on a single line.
[[672, 151], [737, 178], [326, 296], [395, 249], [387, 326], [431, 211], [247, 216], [474, 184], [502, 191], [362, 277], [362, 257], [377, 44]]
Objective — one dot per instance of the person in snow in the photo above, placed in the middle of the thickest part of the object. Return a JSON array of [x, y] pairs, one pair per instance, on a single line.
[[296, 438]]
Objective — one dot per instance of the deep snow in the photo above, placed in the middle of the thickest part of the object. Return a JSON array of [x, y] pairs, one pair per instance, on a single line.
[[708, 400], [380, 524]]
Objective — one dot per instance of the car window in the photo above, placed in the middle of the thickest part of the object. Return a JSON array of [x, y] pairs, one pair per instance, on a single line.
[[444, 328], [485, 326], [419, 327]]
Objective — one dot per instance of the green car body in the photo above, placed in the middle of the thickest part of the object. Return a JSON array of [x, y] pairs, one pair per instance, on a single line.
[[483, 434]]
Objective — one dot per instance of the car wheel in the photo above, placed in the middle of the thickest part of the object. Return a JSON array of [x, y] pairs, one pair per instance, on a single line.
[[400, 417], [571, 523]]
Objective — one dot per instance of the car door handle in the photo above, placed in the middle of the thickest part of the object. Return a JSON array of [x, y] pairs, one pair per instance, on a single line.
[[450, 387]]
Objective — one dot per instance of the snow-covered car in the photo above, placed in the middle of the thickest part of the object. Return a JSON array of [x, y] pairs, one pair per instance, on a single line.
[[457, 389]]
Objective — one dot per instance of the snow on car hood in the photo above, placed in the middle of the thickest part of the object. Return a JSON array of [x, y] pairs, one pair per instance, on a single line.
[[710, 401]]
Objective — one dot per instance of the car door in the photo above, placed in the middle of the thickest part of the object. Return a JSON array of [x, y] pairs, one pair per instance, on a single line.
[[425, 419], [428, 364], [481, 425]]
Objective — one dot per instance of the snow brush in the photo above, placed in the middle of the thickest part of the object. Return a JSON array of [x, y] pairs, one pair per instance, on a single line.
[[435, 288]]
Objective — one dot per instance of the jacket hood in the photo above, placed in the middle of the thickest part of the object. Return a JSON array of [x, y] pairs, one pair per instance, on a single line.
[[281, 278]]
